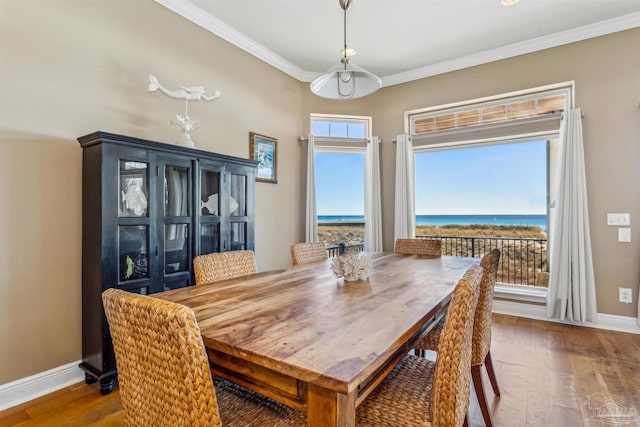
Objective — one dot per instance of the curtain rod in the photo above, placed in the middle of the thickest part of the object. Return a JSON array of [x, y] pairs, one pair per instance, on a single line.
[[306, 138]]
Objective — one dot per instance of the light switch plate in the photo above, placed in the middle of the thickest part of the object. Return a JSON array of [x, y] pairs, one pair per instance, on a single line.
[[618, 219], [624, 235]]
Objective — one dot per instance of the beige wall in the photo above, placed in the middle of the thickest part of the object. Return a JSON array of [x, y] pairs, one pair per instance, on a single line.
[[68, 68]]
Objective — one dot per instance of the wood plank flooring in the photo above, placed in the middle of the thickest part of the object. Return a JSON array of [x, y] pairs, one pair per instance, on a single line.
[[546, 372]]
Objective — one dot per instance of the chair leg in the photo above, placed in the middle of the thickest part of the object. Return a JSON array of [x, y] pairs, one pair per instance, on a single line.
[[476, 374], [492, 375]]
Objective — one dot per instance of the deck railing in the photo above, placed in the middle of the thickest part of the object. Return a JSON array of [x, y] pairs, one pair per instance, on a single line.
[[342, 249], [523, 261]]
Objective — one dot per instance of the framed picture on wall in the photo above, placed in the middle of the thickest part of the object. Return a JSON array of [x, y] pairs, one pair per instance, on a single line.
[[264, 149]]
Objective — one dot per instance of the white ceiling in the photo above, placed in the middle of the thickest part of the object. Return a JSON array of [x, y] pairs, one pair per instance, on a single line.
[[403, 40]]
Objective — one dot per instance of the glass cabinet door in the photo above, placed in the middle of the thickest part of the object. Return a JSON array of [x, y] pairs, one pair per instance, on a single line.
[[134, 252], [176, 218], [209, 191], [238, 236], [133, 239], [176, 191], [225, 222], [238, 195], [209, 238], [211, 208], [176, 248], [134, 189], [176, 222], [239, 209]]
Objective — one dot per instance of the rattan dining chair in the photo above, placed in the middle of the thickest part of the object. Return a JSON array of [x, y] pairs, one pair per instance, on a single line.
[[302, 253], [419, 392], [481, 354], [219, 266], [419, 247], [163, 370]]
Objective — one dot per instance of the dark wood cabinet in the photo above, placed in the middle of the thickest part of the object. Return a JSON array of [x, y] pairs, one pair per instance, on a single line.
[[148, 209]]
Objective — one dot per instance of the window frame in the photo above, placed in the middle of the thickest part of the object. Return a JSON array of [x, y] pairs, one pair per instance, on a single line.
[[566, 88], [514, 131], [335, 118], [343, 145]]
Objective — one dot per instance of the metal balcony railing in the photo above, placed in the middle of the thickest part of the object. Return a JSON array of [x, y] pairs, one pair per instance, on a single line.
[[523, 261], [342, 249]]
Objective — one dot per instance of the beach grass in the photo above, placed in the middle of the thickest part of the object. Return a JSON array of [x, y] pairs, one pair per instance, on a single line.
[[350, 234]]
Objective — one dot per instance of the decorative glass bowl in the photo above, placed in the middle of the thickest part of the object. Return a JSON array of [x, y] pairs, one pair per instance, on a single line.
[[352, 267]]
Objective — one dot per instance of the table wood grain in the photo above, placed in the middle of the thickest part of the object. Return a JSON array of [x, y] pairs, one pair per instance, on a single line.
[[315, 342]]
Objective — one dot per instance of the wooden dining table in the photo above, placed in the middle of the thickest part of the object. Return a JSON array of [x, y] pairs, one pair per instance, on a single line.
[[315, 342]]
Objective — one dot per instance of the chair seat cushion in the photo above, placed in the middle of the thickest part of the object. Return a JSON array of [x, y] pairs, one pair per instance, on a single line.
[[403, 398]]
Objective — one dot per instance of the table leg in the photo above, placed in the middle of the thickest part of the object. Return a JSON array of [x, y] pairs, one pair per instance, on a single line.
[[328, 408]]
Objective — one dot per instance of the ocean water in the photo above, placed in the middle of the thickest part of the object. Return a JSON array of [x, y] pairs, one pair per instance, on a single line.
[[340, 217], [529, 220]]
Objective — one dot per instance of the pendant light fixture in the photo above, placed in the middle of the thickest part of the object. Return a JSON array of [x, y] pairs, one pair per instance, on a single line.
[[345, 80]]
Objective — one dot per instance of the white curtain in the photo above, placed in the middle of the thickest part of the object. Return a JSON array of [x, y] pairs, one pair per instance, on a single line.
[[405, 215], [311, 227], [372, 198], [572, 292]]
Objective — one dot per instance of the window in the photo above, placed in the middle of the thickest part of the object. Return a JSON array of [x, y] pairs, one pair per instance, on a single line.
[[340, 185], [485, 178], [340, 127], [476, 198], [340, 145]]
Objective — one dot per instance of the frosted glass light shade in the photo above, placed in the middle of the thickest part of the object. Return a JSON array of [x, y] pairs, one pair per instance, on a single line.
[[345, 81]]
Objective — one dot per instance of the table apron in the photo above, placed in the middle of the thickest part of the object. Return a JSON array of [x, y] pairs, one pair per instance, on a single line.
[[268, 382]]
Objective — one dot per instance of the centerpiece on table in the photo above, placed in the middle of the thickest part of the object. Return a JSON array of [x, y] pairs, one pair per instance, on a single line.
[[352, 267]]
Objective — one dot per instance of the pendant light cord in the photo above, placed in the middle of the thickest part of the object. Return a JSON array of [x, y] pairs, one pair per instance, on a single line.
[[344, 51], [344, 4]]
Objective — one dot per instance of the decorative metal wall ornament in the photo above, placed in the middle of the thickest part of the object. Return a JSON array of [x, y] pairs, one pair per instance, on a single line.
[[188, 93]]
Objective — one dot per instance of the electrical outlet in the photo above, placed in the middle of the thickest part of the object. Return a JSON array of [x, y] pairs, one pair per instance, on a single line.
[[625, 295]]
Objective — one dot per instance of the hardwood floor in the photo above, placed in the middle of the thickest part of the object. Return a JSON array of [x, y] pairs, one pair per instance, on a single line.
[[547, 372]]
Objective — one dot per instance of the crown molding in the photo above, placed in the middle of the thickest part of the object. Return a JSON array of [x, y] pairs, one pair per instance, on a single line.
[[189, 11], [212, 24], [577, 34]]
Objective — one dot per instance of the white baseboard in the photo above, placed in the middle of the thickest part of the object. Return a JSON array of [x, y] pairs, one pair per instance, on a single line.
[[536, 311], [29, 388]]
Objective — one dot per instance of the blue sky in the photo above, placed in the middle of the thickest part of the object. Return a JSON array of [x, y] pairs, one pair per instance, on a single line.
[[340, 184], [499, 179]]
